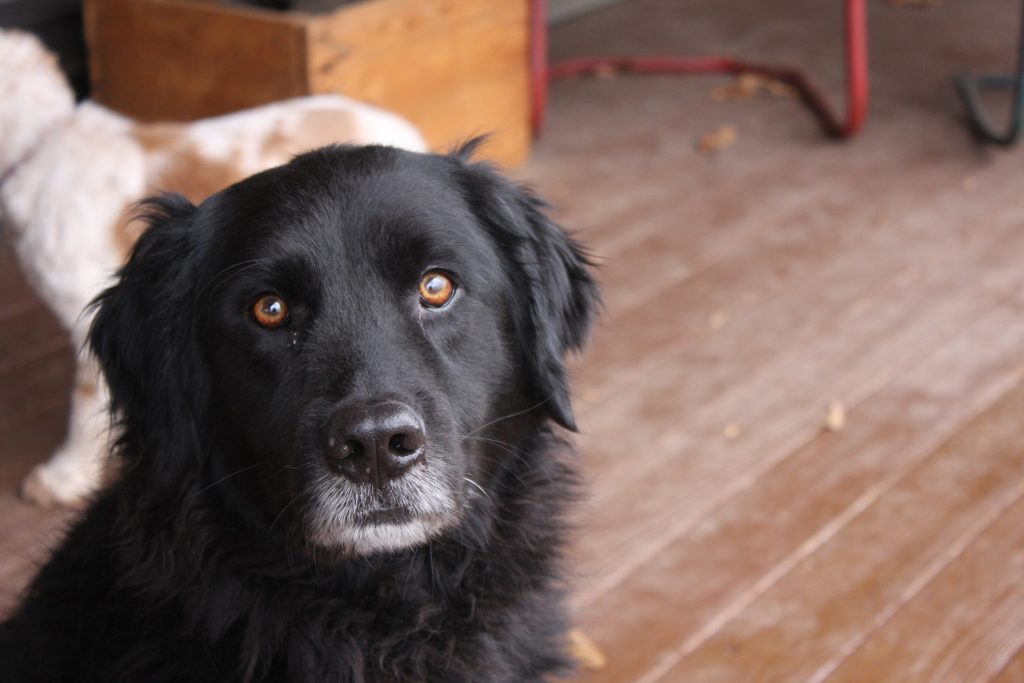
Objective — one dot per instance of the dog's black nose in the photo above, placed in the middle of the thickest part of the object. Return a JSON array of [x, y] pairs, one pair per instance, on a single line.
[[374, 442]]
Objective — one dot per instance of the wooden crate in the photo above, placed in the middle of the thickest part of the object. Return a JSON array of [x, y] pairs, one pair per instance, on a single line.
[[455, 68]]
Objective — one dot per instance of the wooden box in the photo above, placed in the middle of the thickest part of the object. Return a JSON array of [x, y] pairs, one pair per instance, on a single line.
[[455, 68]]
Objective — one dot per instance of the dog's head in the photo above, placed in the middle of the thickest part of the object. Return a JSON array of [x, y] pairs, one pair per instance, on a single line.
[[348, 346]]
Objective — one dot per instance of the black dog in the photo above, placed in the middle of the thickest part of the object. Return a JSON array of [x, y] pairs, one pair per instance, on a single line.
[[334, 384]]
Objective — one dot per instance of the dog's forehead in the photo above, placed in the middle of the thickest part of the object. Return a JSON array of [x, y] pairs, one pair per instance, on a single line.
[[347, 205]]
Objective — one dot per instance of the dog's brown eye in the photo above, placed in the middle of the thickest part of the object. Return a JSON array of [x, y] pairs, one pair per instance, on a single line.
[[436, 289], [270, 311]]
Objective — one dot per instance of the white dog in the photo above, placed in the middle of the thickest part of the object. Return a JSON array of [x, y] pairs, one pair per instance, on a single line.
[[69, 176]]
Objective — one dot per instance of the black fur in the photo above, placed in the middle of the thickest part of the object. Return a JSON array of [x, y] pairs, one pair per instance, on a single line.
[[198, 564]]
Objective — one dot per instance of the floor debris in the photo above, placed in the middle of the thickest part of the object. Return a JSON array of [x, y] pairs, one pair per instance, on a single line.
[[748, 85], [718, 139], [835, 418], [585, 651], [718, 320]]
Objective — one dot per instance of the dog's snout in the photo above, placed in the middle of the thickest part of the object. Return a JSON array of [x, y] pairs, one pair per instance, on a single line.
[[374, 442]]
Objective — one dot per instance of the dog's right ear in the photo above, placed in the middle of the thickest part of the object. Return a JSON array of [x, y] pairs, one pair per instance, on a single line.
[[144, 335], [558, 298]]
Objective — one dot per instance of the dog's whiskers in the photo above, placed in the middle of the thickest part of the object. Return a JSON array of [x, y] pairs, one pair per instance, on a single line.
[[479, 488], [509, 448], [228, 476], [279, 514], [515, 452], [506, 417], [281, 469]]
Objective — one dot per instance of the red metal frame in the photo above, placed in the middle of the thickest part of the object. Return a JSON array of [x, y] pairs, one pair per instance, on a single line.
[[857, 82]]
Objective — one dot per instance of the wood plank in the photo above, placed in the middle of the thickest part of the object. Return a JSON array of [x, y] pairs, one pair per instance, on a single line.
[[1013, 670], [963, 626], [854, 582], [11, 280], [714, 569], [785, 195], [29, 334], [31, 441], [26, 531], [860, 347], [29, 535], [18, 296], [700, 273], [41, 384], [736, 269], [15, 306]]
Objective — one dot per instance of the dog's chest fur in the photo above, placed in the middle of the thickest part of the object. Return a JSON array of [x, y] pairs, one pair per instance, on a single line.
[[481, 604]]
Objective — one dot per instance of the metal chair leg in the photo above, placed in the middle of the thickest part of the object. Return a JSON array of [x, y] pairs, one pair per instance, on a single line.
[[855, 14], [968, 87]]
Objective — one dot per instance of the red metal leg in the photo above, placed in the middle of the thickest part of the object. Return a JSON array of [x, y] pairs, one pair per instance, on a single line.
[[538, 64], [856, 71]]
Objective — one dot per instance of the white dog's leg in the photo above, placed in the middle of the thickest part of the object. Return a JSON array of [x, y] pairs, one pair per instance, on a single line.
[[76, 470]]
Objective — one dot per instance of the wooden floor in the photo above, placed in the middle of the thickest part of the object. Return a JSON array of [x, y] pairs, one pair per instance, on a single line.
[[729, 535]]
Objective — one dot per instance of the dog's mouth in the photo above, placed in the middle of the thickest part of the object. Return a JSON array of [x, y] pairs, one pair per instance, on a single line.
[[385, 514], [360, 519]]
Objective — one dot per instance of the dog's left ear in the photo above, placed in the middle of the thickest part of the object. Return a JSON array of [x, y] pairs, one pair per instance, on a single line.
[[558, 304], [143, 335]]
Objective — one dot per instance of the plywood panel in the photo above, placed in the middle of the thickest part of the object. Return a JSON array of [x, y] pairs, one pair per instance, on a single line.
[[159, 60], [456, 68]]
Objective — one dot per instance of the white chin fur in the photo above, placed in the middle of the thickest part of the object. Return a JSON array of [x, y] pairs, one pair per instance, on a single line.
[[375, 538], [335, 517]]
